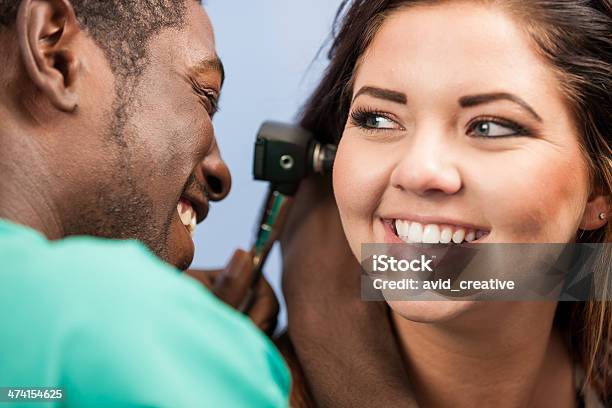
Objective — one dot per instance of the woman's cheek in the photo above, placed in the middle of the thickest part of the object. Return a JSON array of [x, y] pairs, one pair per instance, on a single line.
[[537, 202], [359, 180]]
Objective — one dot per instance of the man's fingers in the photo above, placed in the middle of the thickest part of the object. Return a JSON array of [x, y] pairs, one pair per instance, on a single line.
[[233, 283], [265, 308]]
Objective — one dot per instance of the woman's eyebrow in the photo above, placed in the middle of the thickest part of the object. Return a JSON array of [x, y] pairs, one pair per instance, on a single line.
[[473, 100], [380, 93]]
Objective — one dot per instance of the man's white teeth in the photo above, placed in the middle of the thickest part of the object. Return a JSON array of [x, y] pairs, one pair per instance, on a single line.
[[187, 215], [192, 225], [414, 232]]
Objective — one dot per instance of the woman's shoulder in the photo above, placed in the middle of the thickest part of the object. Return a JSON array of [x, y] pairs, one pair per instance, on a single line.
[[300, 396]]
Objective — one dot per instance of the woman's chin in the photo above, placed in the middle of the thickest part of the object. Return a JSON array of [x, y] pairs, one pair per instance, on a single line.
[[432, 311]]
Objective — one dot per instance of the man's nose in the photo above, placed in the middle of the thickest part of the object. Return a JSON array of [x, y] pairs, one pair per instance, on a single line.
[[428, 165], [217, 176]]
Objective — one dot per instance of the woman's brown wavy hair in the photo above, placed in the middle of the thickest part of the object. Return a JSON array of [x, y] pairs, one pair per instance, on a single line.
[[575, 37]]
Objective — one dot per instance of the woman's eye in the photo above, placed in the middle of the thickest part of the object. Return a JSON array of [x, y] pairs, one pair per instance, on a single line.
[[490, 128], [372, 120], [379, 122]]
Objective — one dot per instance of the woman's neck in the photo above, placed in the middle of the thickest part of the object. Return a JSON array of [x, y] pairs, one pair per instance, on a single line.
[[502, 354]]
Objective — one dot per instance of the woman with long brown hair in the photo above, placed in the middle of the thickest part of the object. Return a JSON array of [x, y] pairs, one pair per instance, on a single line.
[[479, 121]]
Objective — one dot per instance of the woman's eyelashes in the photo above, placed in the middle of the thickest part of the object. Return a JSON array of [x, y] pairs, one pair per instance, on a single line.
[[483, 127], [370, 119], [493, 127]]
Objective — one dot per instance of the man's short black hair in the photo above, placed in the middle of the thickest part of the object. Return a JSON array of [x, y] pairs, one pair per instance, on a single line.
[[121, 28]]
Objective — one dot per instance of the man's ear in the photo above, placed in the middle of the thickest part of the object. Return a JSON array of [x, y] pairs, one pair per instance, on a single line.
[[46, 30], [597, 205]]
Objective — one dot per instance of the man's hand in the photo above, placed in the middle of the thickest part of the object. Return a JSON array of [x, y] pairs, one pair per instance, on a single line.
[[233, 285], [345, 346]]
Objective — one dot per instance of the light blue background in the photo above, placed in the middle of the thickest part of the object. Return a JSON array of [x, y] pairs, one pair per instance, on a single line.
[[268, 48]]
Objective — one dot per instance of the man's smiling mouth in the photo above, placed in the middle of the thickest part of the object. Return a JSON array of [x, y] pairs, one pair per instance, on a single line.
[[187, 215], [192, 209], [434, 233]]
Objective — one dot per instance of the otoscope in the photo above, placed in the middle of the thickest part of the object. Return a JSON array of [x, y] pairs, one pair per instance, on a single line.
[[284, 155]]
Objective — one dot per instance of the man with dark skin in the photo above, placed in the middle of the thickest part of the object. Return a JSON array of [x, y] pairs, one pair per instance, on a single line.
[[106, 112], [149, 139]]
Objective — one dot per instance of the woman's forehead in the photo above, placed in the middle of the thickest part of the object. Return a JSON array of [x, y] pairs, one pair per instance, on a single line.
[[458, 45]]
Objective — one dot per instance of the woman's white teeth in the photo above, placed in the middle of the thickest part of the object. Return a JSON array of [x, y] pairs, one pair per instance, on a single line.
[[458, 236], [446, 236], [187, 215], [402, 227], [414, 232], [431, 234]]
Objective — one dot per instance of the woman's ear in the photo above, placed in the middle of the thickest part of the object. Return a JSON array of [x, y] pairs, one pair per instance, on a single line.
[[46, 30], [597, 212]]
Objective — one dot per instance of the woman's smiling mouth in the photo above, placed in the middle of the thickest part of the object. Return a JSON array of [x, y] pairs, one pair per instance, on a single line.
[[431, 232]]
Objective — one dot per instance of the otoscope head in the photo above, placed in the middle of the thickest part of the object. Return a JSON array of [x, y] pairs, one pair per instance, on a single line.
[[285, 154]]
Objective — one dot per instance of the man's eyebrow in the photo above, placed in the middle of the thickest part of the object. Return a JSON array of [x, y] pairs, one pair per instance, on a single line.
[[211, 64], [380, 93], [473, 100]]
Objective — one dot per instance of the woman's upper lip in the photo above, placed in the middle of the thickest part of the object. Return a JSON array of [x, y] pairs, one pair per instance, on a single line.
[[427, 219], [199, 204]]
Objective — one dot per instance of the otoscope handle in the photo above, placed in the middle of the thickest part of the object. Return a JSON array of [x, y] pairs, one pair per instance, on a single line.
[[270, 228], [271, 224]]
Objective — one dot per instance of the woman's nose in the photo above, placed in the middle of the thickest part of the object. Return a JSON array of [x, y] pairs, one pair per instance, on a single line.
[[217, 176], [427, 166]]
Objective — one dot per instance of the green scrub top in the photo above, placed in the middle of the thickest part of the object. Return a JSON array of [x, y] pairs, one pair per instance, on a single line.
[[112, 325]]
